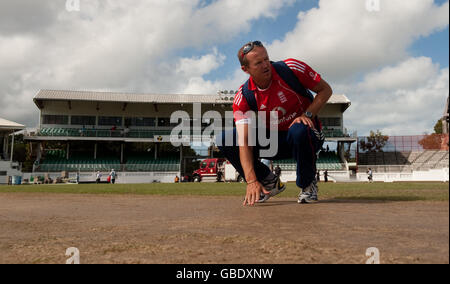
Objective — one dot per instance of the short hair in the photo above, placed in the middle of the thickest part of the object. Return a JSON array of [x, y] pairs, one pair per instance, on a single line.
[[241, 56]]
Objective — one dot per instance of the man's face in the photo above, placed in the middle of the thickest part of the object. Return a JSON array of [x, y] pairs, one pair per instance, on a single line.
[[259, 66]]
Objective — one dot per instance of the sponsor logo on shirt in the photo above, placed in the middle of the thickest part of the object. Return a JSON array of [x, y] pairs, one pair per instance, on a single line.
[[287, 118], [277, 110], [282, 118]]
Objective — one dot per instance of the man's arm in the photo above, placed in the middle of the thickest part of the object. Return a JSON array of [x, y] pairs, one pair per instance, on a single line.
[[254, 187], [324, 92]]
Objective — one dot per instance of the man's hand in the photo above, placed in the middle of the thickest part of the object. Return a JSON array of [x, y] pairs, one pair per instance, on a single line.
[[253, 192], [303, 119], [324, 92]]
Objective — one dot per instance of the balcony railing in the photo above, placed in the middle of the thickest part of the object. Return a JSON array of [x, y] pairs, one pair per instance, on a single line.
[[73, 132], [106, 168], [137, 133]]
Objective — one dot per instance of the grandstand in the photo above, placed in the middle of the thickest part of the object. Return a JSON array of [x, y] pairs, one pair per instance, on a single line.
[[90, 131], [7, 165], [405, 158], [327, 161], [404, 161]]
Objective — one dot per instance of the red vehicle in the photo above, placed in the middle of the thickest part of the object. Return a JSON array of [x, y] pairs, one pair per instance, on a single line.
[[209, 170]]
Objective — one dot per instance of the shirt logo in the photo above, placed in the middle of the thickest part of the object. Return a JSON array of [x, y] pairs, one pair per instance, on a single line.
[[263, 107], [282, 97], [276, 110]]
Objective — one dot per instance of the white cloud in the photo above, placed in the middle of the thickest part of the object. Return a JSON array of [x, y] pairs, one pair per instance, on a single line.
[[342, 39], [133, 45], [27, 17], [200, 66], [410, 107], [115, 45], [410, 74], [364, 54]]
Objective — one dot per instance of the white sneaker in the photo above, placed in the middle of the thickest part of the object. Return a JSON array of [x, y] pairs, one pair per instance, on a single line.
[[309, 194]]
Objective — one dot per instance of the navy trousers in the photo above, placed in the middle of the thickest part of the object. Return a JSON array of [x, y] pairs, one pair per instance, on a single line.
[[299, 142]]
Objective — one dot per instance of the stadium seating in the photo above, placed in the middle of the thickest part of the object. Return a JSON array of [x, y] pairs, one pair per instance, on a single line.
[[333, 133], [405, 161], [432, 160], [77, 132], [329, 161], [148, 164], [56, 154], [326, 161], [55, 164]]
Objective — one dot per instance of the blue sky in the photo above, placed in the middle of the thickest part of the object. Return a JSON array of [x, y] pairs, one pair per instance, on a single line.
[[435, 46], [265, 30], [391, 63]]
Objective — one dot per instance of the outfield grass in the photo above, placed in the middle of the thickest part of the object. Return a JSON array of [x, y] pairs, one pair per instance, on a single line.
[[407, 191]]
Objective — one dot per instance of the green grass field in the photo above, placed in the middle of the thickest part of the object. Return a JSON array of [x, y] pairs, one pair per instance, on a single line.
[[405, 191]]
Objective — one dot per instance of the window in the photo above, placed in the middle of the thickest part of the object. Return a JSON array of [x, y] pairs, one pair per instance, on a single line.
[[82, 120], [110, 120], [140, 121], [164, 121], [56, 119], [203, 165], [331, 121], [211, 165]]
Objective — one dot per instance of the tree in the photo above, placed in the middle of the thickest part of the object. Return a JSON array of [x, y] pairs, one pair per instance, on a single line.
[[374, 142], [438, 127], [349, 155], [431, 142]]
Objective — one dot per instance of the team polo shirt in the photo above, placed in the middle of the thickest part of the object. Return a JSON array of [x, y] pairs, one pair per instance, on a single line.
[[278, 96]]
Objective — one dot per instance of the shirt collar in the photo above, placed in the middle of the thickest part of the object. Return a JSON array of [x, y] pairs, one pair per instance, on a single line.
[[252, 86]]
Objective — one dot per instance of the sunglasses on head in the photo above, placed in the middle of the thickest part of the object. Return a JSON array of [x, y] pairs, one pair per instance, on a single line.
[[249, 47]]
